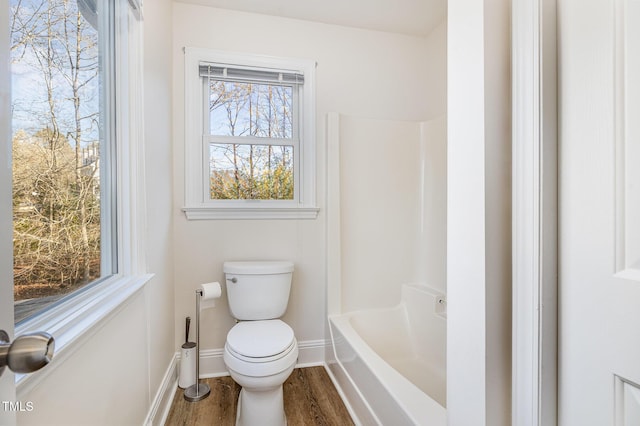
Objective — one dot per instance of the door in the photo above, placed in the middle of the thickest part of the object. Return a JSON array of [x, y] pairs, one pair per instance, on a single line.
[[7, 384], [599, 184]]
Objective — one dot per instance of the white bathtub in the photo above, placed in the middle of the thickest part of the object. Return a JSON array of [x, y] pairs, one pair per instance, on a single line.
[[391, 363]]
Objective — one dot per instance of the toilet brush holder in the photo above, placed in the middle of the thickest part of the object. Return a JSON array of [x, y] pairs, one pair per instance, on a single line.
[[187, 360], [198, 391], [187, 365]]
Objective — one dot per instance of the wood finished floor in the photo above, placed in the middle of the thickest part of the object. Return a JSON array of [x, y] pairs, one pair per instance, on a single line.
[[309, 399]]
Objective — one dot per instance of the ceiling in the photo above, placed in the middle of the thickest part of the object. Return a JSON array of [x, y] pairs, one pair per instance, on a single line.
[[412, 17]]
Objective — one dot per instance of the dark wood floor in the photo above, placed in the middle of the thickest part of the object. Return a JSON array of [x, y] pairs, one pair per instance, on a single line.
[[309, 399]]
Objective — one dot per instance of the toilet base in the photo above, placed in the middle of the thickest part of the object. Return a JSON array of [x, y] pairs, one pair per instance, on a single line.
[[263, 407], [261, 401]]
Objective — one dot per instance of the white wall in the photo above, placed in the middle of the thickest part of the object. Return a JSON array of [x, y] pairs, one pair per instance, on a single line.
[[114, 376], [104, 382], [479, 225], [363, 73], [158, 162]]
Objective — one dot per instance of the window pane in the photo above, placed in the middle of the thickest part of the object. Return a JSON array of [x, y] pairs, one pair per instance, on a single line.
[[251, 172], [250, 109], [57, 146]]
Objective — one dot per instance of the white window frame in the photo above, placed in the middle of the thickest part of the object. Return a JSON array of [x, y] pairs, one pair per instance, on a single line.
[[198, 205], [79, 317]]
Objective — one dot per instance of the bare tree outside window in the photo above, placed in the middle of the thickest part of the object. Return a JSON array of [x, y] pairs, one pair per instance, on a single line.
[[260, 167], [56, 150]]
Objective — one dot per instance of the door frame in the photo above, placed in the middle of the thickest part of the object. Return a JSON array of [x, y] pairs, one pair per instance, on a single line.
[[535, 213]]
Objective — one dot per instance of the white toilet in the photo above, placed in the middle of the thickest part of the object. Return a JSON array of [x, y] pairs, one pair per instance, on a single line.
[[261, 351]]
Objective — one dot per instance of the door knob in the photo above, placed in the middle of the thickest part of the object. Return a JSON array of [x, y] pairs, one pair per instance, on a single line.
[[28, 353]]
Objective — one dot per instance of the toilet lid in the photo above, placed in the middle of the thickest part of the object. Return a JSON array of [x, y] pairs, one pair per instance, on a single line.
[[259, 339]]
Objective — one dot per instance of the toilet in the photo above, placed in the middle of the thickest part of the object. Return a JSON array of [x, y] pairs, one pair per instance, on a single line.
[[261, 350]]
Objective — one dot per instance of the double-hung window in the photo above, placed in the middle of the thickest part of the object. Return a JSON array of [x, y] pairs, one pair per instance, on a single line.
[[250, 149], [77, 134]]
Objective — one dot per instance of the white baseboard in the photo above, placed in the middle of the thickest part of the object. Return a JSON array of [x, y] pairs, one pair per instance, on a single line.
[[310, 353], [161, 404], [212, 363]]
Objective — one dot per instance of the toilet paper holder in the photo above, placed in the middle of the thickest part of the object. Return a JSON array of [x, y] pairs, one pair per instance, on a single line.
[[199, 391]]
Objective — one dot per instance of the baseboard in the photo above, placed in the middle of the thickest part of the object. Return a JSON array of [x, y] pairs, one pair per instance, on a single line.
[[212, 363], [161, 404], [310, 353]]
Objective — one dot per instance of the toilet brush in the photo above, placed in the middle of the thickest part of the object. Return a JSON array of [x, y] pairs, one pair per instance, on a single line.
[[198, 391]]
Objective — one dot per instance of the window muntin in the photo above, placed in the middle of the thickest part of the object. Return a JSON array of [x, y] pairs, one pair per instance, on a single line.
[[63, 150]]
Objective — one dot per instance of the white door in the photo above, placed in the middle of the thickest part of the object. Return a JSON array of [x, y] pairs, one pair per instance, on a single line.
[[599, 317], [7, 384]]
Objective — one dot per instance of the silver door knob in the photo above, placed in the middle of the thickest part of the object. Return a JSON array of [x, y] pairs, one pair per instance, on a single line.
[[28, 353]]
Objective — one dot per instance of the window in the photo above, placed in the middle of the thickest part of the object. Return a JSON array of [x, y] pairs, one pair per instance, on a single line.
[[74, 70], [249, 128], [62, 158]]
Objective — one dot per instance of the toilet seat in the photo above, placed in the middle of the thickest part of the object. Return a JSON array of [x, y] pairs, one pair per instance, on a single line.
[[260, 341], [260, 348], [261, 359]]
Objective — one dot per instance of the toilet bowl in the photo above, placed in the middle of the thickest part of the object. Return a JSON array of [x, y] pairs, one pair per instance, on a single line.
[[261, 351], [260, 356]]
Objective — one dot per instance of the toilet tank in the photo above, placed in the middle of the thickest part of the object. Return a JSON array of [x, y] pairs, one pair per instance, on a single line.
[[258, 290]]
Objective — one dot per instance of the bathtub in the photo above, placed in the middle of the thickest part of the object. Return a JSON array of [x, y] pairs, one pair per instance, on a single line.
[[391, 363]]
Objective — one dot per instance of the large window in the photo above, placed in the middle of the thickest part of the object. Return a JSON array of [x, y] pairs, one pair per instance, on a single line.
[[71, 103], [252, 138], [62, 161]]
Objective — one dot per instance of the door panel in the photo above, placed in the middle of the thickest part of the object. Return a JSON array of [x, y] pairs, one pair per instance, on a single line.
[[627, 111], [7, 383], [599, 315]]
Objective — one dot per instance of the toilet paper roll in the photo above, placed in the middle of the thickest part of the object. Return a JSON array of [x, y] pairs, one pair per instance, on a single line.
[[210, 292]]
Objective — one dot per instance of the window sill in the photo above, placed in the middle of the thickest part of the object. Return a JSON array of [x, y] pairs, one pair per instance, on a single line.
[[72, 323], [243, 213]]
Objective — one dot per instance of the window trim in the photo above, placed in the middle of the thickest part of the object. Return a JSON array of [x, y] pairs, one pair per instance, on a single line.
[[79, 316], [199, 207]]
